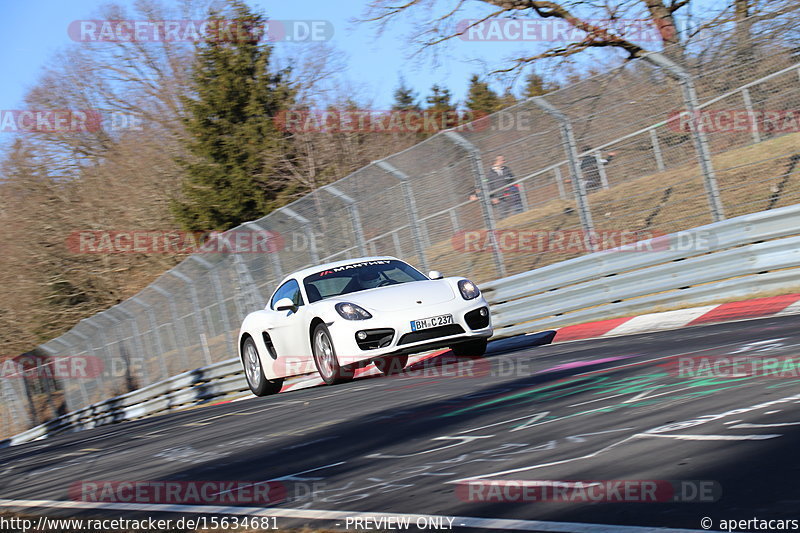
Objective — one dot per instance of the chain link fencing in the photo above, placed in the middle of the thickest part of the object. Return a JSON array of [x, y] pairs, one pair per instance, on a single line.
[[655, 146]]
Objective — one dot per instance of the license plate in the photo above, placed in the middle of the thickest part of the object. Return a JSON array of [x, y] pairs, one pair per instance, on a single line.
[[432, 322]]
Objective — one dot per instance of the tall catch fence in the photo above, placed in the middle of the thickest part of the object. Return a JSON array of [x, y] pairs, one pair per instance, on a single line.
[[694, 140]]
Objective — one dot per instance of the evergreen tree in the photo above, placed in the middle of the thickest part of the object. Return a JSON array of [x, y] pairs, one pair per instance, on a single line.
[[405, 98], [535, 85], [480, 97], [233, 141], [439, 99], [440, 103], [508, 99]]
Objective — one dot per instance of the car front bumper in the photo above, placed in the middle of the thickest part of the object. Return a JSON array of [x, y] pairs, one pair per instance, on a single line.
[[403, 339]]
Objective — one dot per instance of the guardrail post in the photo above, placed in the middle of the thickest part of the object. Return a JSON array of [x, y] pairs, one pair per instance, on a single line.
[[657, 150], [482, 186], [571, 149], [698, 135], [411, 208], [355, 217], [748, 105], [226, 323], [177, 321], [308, 229], [198, 320]]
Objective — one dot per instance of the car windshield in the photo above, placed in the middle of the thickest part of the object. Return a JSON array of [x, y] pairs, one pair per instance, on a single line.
[[359, 277]]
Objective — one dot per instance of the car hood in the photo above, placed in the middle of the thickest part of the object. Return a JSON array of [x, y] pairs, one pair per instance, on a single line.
[[402, 296]]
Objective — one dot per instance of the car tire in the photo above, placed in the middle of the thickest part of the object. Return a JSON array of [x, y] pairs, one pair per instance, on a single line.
[[473, 348], [256, 380], [325, 358], [393, 364]]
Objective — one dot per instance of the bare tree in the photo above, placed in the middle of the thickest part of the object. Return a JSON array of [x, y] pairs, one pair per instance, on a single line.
[[597, 20]]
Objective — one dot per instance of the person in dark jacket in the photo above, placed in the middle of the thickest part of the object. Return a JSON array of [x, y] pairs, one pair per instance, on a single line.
[[507, 200]]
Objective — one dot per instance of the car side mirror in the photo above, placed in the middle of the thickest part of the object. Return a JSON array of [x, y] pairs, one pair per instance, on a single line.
[[435, 274], [285, 304]]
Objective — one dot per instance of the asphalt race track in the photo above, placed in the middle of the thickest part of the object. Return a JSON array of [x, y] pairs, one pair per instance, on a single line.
[[436, 441]]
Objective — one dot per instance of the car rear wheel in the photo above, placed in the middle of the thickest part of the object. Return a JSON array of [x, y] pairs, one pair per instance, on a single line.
[[326, 360], [256, 380], [474, 348], [394, 364]]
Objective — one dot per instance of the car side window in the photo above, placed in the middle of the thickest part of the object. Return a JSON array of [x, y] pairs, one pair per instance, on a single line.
[[291, 290]]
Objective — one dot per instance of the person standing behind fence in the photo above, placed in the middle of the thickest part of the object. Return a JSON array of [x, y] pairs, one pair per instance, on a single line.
[[507, 199], [591, 170]]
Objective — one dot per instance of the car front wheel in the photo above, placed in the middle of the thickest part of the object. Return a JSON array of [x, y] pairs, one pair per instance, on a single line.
[[326, 360], [474, 348], [256, 380]]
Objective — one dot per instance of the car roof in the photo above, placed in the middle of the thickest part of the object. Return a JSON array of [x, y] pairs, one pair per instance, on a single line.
[[300, 274]]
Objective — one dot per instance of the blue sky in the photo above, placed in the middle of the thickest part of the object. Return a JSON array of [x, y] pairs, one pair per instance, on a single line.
[[32, 31]]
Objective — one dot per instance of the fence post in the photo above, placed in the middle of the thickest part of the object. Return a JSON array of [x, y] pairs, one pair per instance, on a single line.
[[85, 339], [560, 183], [748, 105], [275, 259], [178, 323], [253, 299], [308, 229], [139, 345], [657, 150], [355, 217], [72, 352], [106, 345], [15, 405], [571, 149], [411, 208], [601, 169], [226, 323], [482, 186], [198, 320], [151, 317], [698, 135]]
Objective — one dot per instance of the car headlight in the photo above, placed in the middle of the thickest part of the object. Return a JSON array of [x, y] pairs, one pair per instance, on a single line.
[[468, 289], [350, 311]]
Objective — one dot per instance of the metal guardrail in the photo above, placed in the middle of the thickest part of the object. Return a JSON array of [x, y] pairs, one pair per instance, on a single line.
[[761, 251], [184, 389], [737, 257]]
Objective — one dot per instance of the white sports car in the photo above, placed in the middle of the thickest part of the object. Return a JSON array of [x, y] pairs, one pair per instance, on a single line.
[[345, 315]]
